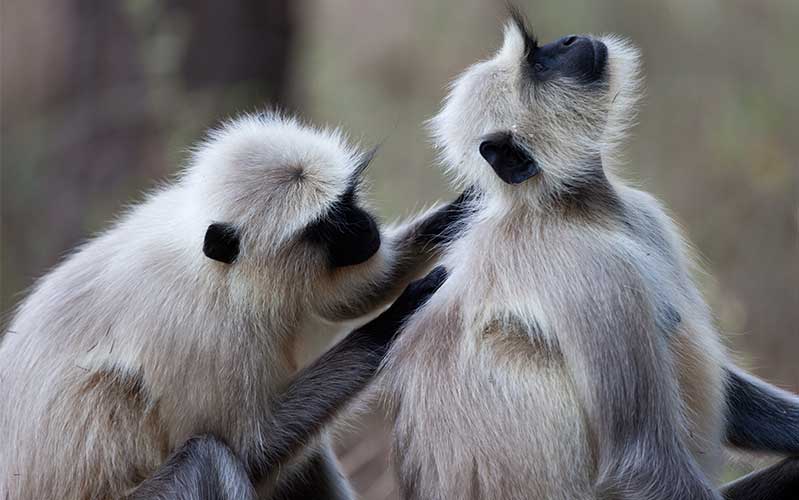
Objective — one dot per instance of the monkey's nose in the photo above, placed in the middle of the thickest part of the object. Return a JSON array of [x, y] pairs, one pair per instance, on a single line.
[[572, 42], [573, 45], [568, 40]]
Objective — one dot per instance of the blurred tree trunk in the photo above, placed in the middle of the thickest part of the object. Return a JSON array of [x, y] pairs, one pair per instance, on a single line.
[[242, 42]]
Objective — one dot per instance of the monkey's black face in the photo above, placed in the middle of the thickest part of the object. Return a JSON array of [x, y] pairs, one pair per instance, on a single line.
[[578, 57], [348, 234]]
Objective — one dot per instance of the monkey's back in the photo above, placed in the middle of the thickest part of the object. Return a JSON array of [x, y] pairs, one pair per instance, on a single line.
[[112, 361], [485, 400]]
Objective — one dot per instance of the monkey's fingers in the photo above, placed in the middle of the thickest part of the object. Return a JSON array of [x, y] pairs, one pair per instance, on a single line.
[[420, 290], [415, 295], [446, 223]]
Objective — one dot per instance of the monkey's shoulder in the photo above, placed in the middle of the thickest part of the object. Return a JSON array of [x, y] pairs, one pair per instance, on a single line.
[[647, 220]]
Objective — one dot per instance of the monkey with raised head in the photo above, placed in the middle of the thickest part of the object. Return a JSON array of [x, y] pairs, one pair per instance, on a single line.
[[184, 318], [570, 354]]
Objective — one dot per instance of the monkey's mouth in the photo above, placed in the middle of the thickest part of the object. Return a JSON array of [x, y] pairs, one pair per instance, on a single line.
[[600, 60]]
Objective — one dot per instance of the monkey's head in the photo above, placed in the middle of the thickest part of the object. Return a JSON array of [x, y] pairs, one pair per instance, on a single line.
[[534, 118], [284, 218]]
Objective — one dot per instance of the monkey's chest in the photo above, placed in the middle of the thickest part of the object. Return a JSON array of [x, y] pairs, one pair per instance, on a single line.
[[492, 428]]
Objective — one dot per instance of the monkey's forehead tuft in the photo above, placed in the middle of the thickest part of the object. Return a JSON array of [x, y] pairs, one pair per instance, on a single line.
[[272, 142], [274, 166]]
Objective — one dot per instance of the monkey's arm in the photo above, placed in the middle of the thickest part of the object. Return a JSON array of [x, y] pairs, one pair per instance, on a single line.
[[778, 482], [317, 477], [300, 413], [760, 417], [320, 390]]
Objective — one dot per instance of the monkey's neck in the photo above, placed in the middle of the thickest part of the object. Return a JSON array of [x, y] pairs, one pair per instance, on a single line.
[[587, 195]]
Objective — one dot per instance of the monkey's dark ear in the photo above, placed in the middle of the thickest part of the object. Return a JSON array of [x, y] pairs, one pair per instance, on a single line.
[[221, 242], [511, 162]]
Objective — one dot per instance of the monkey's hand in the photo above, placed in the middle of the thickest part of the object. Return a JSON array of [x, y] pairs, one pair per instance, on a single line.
[[418, 243], [447, 222], [383, 328]]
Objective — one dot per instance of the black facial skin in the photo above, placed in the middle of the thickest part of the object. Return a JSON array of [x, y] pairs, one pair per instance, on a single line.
[[578, 57], [348, 233], [511, 162]]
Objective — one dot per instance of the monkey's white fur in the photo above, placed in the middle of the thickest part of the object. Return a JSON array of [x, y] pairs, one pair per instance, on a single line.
[[495, 383], [137, 341]]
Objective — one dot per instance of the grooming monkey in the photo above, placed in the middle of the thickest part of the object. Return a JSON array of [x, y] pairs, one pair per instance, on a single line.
[[184, 317], [569, 355]]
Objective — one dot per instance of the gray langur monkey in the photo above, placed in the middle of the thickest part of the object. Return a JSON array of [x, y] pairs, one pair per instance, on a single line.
[[185, 317], [570, 355]]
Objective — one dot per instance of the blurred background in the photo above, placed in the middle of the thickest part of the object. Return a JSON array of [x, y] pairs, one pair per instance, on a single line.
[[100, 100]]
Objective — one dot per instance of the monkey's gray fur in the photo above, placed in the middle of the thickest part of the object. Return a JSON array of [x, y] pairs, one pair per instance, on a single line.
[[570, 354], [137, 341]]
